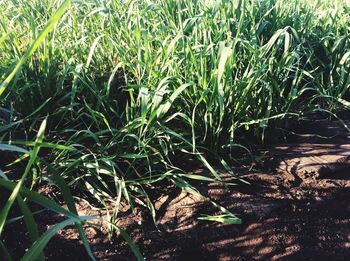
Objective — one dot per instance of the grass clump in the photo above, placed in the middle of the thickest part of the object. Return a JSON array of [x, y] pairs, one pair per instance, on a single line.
[[132, 88]]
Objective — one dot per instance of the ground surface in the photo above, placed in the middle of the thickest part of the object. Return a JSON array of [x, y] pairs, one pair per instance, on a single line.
[[296, 208]]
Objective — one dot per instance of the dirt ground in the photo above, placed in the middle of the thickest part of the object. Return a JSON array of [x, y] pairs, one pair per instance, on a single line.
[[296, 207]]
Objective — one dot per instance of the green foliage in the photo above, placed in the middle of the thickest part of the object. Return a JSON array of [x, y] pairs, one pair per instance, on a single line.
[[131, 89]]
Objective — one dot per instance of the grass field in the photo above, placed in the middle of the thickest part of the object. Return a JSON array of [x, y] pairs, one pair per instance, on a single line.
[[107, 98]]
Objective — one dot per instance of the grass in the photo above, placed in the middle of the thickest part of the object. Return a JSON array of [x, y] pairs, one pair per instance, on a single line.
[[128, 89]]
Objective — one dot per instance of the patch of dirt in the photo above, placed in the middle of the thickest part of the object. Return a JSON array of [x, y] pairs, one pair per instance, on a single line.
[[325, 153], [280, 222], [298, 208]]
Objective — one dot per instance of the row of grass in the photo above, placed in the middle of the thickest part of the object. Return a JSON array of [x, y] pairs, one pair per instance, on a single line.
[[133, 91]]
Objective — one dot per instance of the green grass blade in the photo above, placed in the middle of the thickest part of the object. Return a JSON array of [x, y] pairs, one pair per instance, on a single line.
[[7, 255], [6, 208], [7, 147], [30, 223], [60, 11], [133, 247], [68, 197], [40, 244], [37, 198]]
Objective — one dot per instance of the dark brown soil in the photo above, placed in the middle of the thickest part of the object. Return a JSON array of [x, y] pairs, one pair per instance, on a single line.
[[296, 208]]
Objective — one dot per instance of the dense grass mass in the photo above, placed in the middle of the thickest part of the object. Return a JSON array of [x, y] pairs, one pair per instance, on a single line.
[[131, 89]]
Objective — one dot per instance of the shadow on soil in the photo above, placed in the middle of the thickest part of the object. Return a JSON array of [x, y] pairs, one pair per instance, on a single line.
[[298, 208]]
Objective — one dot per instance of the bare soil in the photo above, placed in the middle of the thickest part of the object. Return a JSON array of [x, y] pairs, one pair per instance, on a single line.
[[296, 207]]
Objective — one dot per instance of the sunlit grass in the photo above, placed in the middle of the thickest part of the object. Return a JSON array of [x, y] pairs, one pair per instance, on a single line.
[[135, 87]]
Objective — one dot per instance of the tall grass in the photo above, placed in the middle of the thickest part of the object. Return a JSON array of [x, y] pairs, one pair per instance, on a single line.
[[135, 88]]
